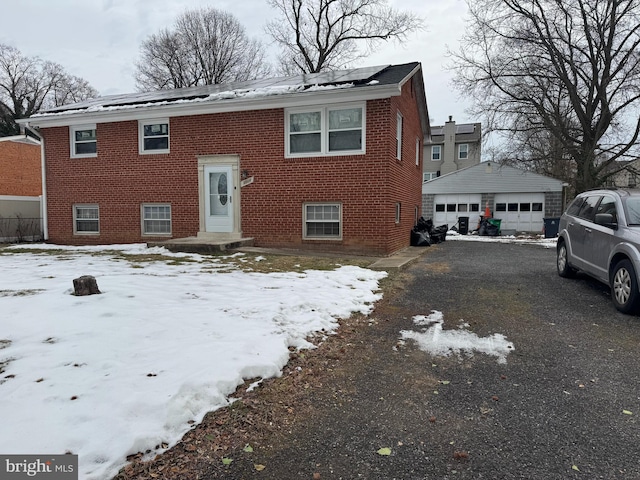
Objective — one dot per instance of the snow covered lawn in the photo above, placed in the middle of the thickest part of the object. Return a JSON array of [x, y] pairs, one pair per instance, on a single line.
[[105, 376]]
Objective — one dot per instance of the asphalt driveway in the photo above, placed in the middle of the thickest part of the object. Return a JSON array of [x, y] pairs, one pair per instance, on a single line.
[[565, 404]]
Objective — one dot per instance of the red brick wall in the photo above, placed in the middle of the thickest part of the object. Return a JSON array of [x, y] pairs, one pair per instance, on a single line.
[[20, 169], [119, 179]]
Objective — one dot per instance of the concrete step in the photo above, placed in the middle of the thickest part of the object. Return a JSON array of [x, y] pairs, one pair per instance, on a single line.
[[200, 245]]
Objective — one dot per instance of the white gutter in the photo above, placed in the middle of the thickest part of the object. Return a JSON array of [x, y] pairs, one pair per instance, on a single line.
[[43, 203]]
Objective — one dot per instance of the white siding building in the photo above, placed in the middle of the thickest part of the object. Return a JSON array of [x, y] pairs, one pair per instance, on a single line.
[[521, 199]]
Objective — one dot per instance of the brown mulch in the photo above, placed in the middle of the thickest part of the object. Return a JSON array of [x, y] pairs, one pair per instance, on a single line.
[[264, 416]]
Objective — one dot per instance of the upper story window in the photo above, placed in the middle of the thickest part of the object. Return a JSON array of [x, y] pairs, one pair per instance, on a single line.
[[325, 131], [436, 152], [399, 136], [153, 136], [83, 141], [418, 151], [463, 151]]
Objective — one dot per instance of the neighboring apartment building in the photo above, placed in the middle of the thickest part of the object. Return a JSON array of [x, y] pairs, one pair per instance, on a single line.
[[629, 177], [452, 148]]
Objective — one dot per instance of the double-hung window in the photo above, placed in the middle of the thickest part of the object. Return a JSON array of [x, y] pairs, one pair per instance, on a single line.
[[463, 151], [83, 141], [436, 152], [318, 131], [86, 220], [156, 219], [322, 221], [153, 136]]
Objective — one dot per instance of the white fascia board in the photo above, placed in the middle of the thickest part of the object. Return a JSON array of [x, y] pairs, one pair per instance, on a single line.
[[21, 139], [182, 109]]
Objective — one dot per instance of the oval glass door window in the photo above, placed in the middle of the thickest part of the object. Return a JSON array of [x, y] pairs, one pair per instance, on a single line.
[[222, 188]]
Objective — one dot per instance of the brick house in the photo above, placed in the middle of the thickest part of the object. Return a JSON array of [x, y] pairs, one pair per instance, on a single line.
[[329, 161], [20, 166], [20, 189]]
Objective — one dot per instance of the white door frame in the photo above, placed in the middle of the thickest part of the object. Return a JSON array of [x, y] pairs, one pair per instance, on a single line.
[[205, 164]]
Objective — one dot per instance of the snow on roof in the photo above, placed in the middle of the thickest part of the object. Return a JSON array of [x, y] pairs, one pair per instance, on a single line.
[[340, 79], [224, 95]]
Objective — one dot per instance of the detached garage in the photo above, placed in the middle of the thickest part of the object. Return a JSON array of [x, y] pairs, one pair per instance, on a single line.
[[521, 199]]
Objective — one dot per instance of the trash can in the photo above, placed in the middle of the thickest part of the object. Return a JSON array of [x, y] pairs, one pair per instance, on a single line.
[[463, 225], [551, 227], [493, 228]]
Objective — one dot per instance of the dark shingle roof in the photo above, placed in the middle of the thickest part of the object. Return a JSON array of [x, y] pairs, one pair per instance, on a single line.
[[355, 78]]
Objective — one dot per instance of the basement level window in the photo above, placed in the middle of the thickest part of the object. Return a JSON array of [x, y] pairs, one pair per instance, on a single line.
[[322, 221], [156, 219], [86, 220]]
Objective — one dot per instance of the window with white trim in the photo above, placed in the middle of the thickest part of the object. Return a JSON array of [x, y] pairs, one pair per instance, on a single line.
[[156, 219], [325, 131], [436, 152], [463, 151], [322, 221], [82, 141], [153, 136], [399, 136], [417, 151], [86, 219], [426, 176]]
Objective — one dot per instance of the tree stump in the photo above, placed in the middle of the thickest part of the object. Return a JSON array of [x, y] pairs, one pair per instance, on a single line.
[[85, 285]]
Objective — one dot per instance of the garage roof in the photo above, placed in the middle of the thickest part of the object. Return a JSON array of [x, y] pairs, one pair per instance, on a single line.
[[491, 177]]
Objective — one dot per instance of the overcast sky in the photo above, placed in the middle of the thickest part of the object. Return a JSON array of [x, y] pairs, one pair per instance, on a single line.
[[99, 40]]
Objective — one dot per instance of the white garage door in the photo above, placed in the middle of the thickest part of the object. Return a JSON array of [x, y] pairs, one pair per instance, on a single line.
[[522, 212], [448, 208]]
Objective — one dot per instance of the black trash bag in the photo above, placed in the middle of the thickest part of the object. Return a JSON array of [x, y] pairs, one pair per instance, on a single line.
[[491, 230], [420, 238], [420, 234], [423, 225], [439, 234]]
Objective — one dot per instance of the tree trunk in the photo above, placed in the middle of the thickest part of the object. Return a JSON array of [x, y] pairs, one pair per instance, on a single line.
[[85, 285]]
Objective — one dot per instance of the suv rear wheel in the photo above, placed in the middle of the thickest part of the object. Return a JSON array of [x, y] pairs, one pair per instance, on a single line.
[[564, 269], [624, 287]]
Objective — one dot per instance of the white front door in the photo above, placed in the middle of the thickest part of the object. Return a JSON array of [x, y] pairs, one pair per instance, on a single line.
[[218, 198]]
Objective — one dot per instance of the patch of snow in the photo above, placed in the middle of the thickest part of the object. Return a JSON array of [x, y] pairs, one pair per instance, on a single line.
[[435, 340], [106, 376], [525, 239]]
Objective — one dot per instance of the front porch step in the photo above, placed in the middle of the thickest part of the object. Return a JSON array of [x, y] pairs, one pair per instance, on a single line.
[[200, 245]]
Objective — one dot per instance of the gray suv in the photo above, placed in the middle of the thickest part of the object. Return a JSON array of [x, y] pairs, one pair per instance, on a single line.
[[599, 234]]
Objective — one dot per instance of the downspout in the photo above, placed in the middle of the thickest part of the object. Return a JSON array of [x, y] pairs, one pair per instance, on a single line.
[[45, 223]]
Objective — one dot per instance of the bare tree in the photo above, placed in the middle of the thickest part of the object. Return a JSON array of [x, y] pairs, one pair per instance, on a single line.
[[318, 35], [205, 46], [29, 85], [567, 69]]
